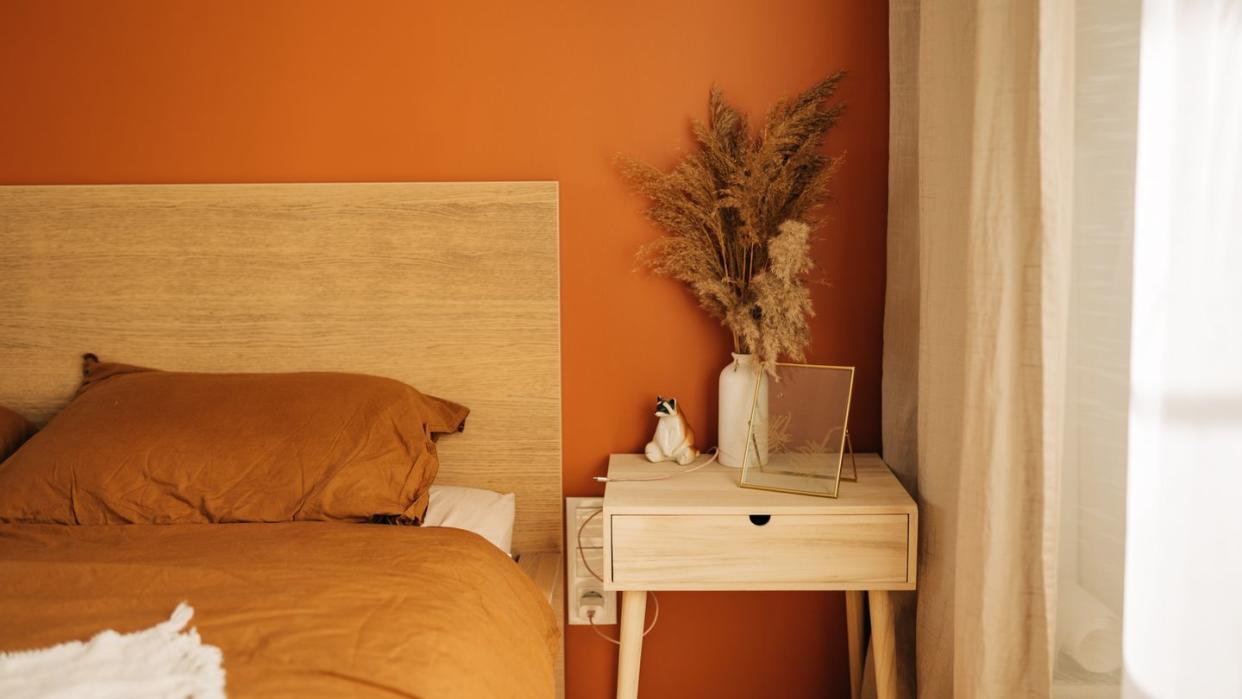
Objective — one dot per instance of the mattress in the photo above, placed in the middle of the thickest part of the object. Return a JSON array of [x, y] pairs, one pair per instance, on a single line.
[[307, 609]]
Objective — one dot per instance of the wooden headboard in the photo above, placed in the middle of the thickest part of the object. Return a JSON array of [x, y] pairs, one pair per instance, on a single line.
[[450, 287]]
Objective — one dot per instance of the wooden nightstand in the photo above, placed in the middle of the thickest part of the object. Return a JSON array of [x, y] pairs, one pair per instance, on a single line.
[[700, 531]]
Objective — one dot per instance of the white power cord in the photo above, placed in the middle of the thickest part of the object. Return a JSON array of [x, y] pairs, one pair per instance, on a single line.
[[654, 618], [665, 476], [590, 615], [580, 552]]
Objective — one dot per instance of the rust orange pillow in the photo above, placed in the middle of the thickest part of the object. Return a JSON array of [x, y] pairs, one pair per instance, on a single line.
[[14, 430], [137, 445]]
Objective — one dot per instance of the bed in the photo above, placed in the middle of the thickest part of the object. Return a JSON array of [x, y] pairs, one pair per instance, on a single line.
[[449, 287]]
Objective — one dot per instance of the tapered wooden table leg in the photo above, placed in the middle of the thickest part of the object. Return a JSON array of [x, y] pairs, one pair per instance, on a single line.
[[633, 614], [884, 644], [854, 635]]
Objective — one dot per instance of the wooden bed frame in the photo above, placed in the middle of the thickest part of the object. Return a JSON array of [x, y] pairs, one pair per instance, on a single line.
[[450, 287]]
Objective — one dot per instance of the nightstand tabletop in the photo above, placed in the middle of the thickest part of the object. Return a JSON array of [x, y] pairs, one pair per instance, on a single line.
[[714, 489]]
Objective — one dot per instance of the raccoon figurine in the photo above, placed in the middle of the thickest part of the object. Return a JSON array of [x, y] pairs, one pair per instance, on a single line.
[[674, 439]]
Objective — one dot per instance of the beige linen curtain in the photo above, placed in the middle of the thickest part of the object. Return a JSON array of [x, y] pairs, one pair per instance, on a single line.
[[975, 320]]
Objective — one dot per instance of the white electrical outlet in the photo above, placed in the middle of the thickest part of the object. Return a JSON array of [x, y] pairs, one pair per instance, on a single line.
[[583, 591]]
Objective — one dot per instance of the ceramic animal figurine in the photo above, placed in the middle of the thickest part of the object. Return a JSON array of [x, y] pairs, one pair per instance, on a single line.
[[674, 439]]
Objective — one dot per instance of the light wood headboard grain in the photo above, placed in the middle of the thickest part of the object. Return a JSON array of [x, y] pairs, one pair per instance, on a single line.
[[450, 287]]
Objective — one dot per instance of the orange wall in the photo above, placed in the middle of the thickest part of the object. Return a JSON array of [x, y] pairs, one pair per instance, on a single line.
[[243, 91]]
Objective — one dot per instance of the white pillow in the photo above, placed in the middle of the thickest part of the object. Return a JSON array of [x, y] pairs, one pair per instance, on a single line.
[[484, 512]]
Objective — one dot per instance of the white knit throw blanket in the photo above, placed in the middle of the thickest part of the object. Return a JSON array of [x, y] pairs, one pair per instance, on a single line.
[[162, 661]]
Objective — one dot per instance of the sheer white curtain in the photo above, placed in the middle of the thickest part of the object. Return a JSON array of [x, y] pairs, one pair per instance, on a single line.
[[1018, 238], [1183, 609], [1093, 508], [1154, 396]]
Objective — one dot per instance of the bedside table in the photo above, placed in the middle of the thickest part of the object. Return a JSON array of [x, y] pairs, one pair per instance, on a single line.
[[700, 531]]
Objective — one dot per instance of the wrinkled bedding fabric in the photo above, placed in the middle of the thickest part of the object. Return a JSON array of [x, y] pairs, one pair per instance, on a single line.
[[307, 609]]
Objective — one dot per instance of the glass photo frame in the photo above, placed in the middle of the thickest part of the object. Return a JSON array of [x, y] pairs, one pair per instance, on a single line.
[[798, 433]]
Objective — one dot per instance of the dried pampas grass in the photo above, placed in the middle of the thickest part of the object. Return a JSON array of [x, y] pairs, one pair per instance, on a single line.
[[738, 212]]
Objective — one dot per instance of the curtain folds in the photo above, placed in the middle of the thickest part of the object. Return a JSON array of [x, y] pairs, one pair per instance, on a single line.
[[975, 321]]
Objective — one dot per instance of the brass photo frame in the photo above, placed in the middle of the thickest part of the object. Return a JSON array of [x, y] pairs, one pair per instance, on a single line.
[[798, 434]]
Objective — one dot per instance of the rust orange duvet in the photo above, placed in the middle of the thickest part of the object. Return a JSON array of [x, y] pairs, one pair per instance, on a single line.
[[306, 609]]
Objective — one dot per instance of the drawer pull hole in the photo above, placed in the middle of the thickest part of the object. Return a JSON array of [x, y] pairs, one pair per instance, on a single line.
[[760, 520]]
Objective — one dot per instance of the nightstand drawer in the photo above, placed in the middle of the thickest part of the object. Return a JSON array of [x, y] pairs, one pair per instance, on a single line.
[[757, 552]]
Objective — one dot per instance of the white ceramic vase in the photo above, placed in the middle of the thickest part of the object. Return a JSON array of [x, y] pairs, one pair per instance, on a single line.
[[737, 397]]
